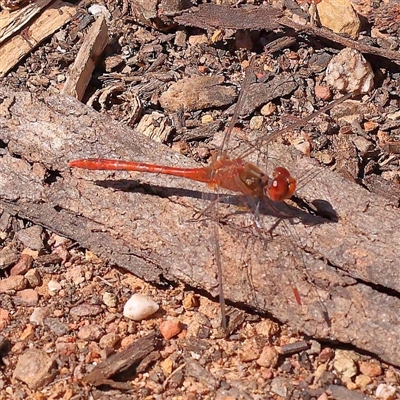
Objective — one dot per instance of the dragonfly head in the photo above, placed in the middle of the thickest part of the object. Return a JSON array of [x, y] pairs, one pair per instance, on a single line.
[[282, 186]]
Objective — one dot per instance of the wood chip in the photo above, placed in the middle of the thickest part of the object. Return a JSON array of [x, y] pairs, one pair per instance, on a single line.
[[118, 362], [79, 74], [44, 26], [11, 22], [208, 16]]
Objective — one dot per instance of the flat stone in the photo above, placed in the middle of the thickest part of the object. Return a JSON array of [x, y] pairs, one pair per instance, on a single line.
[[8, 256], [197, 93], [90, 332], [35, 368], [23, 265], [17, 282], [27, 297], [31, 237], [85, 310]]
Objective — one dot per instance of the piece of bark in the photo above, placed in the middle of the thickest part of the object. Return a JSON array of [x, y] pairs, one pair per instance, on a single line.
[[121, 361], [325, 33], [157, 13], [353, 263], [261, 93], [53, 18], [11, 22], [211, 16], [80, 73]]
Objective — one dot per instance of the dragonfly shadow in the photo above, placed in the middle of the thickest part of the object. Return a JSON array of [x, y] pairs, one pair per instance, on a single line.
[[128, 185], [320, 213]]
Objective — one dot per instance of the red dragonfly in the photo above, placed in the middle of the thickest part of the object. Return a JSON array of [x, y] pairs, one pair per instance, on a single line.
[[235, 174]]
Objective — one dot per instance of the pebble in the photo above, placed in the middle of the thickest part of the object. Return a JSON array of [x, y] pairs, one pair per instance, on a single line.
[[17, 282], [27, 297], [256, 122], [35, 368], [33, 277], [345, 365], [4, 318], [180, 39], [269, 357], [190, 301], [385, 392], [267, 328], [279, 386], [170, 328], [90, 332], [99, 9], [326, 354], [31, 237], [348, 71], [109, 299], [167, 366], [198, 39], [76, 275], [126, 341], [315, 347], [139, 307], [23, 265], [58, 327], [362, 380], [206, 119], [323, 92], [53, 286], [38, 315], [8, 256], [324, 157], [33, 253], [370, 126], [268, 109], [370, 368], [339, 16], [109, 340], [85, 310], [27, 333], [66, 347], [250, 351]]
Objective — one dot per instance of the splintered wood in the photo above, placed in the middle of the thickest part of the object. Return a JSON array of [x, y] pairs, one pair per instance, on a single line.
[[129, 357], [80, 72], [13, 50], [11, 22]]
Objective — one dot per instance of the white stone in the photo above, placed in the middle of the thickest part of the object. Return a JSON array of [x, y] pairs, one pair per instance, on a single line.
[[53, 286], [97, 9], [349, 72], [385, 392], [139, 307]]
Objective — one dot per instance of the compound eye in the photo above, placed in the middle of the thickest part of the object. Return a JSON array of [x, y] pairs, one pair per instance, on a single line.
[[283, 185]]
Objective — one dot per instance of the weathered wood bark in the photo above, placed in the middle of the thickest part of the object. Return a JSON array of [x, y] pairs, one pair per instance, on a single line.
[[145, 229]]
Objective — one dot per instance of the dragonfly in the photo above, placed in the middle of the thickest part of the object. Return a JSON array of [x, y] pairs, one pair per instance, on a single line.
[[233, 174]]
